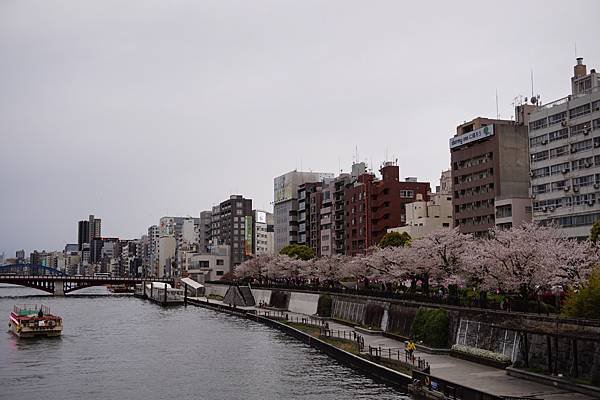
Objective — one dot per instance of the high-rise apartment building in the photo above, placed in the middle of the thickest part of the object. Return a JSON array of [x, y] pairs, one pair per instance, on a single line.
[[264, 235], [310, 203], [153, 236], [285, 209], [204, 231], [232, 226], [372, 206], [489, 161], [94, 228], [564, 147]]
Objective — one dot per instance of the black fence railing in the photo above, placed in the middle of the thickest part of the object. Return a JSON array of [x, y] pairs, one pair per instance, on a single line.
[[401, 355], [346, 335]]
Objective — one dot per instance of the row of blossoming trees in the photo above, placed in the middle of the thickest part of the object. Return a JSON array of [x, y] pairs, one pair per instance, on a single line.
[[524, 261]]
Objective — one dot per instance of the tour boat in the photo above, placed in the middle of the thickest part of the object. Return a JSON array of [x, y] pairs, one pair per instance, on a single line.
[[32, 321]]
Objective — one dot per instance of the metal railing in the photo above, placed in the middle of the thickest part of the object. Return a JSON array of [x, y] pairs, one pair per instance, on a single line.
[[399, 354], [345, 335]]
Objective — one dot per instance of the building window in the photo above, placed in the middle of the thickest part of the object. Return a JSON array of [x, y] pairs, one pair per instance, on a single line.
[[220, 261], [407, 194], [557, 118], [579, 111], [560, 134], [219, 273], [539, 124], [538, 140], [581, 146]]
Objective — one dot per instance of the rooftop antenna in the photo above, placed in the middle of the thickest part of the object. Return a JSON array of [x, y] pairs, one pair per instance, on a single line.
[[497, 113], [340, 164], [576, 49], [532, 95], [386, 154]]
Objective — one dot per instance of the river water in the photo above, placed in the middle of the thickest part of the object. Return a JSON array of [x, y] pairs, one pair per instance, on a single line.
[[120, 347]]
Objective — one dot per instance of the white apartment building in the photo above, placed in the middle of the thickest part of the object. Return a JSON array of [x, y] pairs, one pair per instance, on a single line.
[[564, 147], [264, 236], [425, 217]]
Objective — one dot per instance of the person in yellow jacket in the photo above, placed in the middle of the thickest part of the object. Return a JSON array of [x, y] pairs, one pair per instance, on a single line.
[[410, 348]]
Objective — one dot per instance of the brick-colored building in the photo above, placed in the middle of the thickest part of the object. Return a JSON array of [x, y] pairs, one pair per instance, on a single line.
[[373, 206]]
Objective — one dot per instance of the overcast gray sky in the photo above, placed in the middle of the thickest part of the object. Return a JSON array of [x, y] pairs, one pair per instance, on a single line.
[[132, 110]]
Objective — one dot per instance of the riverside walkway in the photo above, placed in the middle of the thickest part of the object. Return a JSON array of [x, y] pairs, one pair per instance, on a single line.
[[488, 379]]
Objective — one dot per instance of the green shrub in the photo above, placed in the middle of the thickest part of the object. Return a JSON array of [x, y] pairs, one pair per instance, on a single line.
[[586, 302], [324, 305], [431, 327]]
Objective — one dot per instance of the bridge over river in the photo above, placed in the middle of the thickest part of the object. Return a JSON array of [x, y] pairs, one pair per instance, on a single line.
[[57, 282]]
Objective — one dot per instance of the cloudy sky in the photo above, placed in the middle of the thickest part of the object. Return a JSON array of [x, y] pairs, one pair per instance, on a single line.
[[132, 110]]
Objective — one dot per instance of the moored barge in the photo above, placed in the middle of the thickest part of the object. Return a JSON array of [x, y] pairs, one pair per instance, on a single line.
[[29, 320]]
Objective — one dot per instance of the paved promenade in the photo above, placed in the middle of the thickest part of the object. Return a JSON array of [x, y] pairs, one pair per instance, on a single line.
[[492, 380]]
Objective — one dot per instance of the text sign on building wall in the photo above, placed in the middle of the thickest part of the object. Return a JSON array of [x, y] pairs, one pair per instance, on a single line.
[[472, 136], [261, 217]]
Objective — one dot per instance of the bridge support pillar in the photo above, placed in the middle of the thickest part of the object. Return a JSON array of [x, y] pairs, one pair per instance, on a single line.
[[59, 289]]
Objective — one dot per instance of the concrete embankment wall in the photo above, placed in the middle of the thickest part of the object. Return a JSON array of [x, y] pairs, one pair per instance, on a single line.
[[303, 303], [217, 289], [261, 296]]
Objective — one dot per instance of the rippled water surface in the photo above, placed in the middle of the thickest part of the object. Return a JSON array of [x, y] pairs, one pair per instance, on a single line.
[[122, 347]]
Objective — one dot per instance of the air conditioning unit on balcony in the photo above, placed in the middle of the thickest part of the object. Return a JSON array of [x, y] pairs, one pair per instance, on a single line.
[[567, 188], [564, 170], [533, 196], [586, 131], [531, 174], [596, 185], [587, 165], [573, 150], [576, 189], [545, 141], [596, 144], [564, 123], [545, 209], [591, 202], [551, 209]]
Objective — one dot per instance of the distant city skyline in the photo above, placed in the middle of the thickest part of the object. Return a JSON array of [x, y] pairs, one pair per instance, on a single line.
[[159, 110]]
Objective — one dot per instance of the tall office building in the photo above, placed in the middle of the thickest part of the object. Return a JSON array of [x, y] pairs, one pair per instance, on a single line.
[[564, 147], [95, 228], [490, 164], [83, 233], [285, 209]]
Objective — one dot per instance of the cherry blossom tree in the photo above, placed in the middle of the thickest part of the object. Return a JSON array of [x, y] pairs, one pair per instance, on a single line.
[[328, 270], [440, 255], [518, 260], [575, 261], [254, 267]]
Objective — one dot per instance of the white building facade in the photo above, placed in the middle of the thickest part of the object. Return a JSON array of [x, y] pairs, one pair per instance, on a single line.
[[564, 147]]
